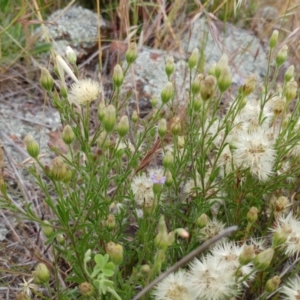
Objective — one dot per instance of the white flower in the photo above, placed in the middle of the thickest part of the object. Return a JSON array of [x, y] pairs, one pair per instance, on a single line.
[[84, 91], [142, 188], [255, 151], [209, 279], [291, 290], [28, 287], [212, 228], [292, 244], [173, 287], [229, 252]]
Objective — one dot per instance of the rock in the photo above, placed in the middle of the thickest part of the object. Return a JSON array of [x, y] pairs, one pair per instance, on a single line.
[[76, 27]]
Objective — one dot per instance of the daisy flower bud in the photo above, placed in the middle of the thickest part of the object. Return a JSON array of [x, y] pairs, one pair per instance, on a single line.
[[169, 68], [281, 56], [123, 126], [272, 284], [182, 233], [161, 240], [247, 255], [168, 160], [169, 179], [208, 87], [58, 170], [224, 80], [134, 116], [103, 141], [109, 119], [60, 239], [193, 60], [118, 76], [86, 289], [131, 53], [110, 222], [263, 259], [289, 74], [68, 135], [212, 69], [221, 65], [252, 215], [162, 127], [71, 55], [32, 146], [277, 105], [154, 102], [87, 255], [158, 182], [202, 221], [115, 252], [197, 103], [167, 93], [101, 111], [249, 86], [46, 79], [145, 269], [273, 39], [47, 229], [291, 90], [196, 84], [41, 274], [280, 204], [175, 126]]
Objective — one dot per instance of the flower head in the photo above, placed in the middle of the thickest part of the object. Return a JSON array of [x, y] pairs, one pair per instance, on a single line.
[[291, 290], [210, 279], [142, 188], [84, 91], [173, 287]]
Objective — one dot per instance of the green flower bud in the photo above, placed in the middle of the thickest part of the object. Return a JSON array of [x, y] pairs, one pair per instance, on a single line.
[[60, 239], [123, 126], [212, 69], [175, 126], [168, 160], [41, 275], [167, 93], [272, 284], [280, 236], [273, 39], [291, 90], [196, 84], [115, 252], [86, 289], [289, 74], [109, 119], [162, 240], [118, 76], [32, 146], [193, 60], [208, 87], [58, 169], [202, 221], [68, 135], [252, 215], [145, 269], [103, 141], [221, 65], [162, 127], [247, 255], [169, 66], [64, 91], [249, 86], [110, 222], [169, 179], [281, 56], [46, 79], [134, 117], [263, 259], [47, 229], [131, 53], [224, 80], [197, 103], [154, 102], [71, 55], [101, 111]]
